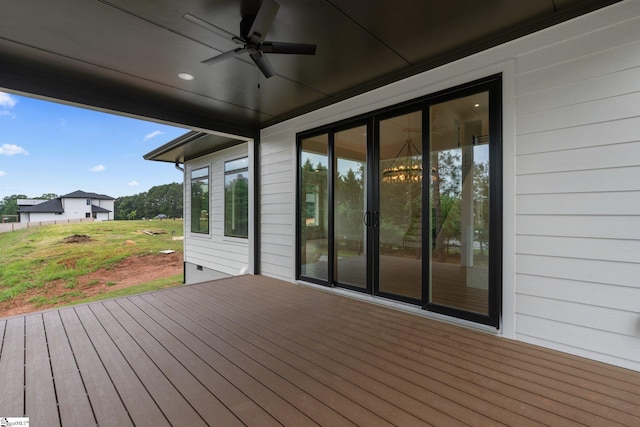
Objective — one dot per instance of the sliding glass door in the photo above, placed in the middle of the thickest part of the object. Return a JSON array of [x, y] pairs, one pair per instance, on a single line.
[[406, 203], [349, 207], [459, 211], [399, 190]]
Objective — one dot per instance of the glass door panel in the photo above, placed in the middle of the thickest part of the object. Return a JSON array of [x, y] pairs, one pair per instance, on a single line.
[[314, 206], [459, 203], [350, 234], [400, 206]]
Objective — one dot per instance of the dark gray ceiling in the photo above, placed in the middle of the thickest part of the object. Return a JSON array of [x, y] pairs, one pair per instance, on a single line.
[[125, 55]]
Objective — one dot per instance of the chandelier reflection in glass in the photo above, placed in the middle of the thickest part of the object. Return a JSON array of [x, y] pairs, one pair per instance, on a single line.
[[407, 168]]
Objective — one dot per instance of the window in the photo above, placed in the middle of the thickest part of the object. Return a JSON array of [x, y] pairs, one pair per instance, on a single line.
[[88, 202], [236, 198], [200, 200]]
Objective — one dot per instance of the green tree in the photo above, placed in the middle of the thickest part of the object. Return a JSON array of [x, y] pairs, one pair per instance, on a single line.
[[9, 205], [164, 199], [47, 196], [349, 208], [446, 181]]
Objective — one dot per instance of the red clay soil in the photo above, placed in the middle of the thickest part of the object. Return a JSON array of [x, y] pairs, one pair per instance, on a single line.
[[131, 271]]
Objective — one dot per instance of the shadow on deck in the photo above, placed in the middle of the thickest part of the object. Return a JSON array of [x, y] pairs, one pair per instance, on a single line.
[[256, 351]]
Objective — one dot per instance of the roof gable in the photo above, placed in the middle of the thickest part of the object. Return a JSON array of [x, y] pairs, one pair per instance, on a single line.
[[50, 206], [79, 194]]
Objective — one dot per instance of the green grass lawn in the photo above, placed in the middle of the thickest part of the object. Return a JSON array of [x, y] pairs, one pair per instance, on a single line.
[[35, 257]]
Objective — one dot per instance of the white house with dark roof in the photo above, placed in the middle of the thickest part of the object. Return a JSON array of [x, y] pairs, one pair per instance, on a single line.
[[76, 205]]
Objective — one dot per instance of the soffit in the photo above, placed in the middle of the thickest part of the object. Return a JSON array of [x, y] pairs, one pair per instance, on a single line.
[[125, 55]]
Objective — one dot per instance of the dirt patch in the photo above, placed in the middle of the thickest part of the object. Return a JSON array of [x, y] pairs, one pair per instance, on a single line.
[[131, 271], [77, 238]]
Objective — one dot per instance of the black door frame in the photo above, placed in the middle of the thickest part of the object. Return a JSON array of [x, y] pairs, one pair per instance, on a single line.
[[492, 85]]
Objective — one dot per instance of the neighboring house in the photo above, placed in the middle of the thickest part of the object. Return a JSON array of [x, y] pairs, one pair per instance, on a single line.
[[499, 191], [76, 205]]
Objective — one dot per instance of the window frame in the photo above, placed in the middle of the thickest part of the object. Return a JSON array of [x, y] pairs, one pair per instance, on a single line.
[[493, 85], [227, 173], [208, 197]]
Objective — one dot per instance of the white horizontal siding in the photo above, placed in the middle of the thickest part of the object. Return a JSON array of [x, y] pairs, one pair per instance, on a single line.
[[602, 203], [603, 227], [597, 110], [585, 270], [581, 181], [580, 248], [580, 159], [624, 298], [596, 344], [595, 134], [618, 321], [277, 210], [215, 251]]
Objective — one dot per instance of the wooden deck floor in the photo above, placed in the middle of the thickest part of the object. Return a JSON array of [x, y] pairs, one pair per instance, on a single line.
[[256, 351]]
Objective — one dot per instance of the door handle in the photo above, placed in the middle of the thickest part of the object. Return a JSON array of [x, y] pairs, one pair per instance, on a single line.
[[376, 219], [366, 218]]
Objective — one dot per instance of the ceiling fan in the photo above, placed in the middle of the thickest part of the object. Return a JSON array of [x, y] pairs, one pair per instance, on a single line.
[[253, 30]]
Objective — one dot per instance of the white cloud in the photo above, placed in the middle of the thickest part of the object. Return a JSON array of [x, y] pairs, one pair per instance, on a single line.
[[133, 183], [98, 168], [2, 173], [12, 150], [152, 135], [7, 101]]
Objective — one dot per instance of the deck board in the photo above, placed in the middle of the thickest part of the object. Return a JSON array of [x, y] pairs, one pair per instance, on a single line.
[[293, 383], [181, 366], [40, 393], [73, 402], [504, 378], [105, 401], [389, 388], [231, 344], [245, 366], [141, 407], [348, 340], [174, 405], [12, 369], [256, 351]]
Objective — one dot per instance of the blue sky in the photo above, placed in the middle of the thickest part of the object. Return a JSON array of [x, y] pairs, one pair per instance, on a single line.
[[47, 147]]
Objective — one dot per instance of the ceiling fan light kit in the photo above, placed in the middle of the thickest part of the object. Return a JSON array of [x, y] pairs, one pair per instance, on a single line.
[[253, 30]]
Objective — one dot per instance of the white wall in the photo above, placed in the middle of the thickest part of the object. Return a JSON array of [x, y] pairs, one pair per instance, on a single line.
[[75, 208], [215, 251], [571, 176], [578, 189]]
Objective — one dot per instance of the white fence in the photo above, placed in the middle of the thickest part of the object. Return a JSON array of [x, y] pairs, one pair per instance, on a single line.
[[13, 226]]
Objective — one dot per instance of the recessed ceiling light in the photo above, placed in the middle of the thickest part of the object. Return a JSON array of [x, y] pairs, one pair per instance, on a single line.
[[476, 105], [185, 76]]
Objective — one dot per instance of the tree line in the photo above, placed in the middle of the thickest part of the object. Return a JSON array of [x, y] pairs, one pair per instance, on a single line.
[[159, 200], [162, 199]]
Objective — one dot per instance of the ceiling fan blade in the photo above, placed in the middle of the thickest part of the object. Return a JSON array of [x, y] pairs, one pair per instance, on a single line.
[[289, 48], [263, 21], [223, 56], [213, 28], [263, 63]]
